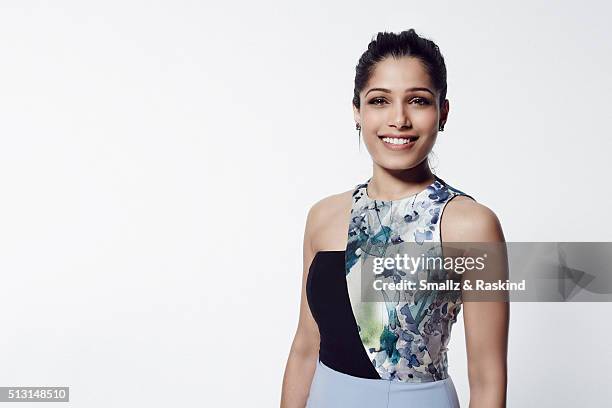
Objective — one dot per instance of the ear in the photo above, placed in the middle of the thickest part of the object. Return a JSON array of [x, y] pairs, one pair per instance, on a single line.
[[444, 111], [356, 115]]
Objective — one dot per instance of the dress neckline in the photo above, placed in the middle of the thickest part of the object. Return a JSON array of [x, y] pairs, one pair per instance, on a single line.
[[430, 187]]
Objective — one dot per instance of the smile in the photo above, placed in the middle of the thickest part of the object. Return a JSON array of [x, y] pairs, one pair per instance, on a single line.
[[399, 143], [398, 140]]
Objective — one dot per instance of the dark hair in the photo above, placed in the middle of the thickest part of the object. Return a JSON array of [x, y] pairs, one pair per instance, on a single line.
[[405, 44]]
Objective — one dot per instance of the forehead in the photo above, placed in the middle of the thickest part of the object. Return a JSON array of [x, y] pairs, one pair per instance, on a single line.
[[399, 74]]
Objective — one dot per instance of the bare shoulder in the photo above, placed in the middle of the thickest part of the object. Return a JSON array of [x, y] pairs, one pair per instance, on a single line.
[[328, 221], [466, 220]]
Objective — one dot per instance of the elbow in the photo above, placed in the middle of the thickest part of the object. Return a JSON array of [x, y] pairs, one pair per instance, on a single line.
[[488, 387], [493, 381], [305, 348]]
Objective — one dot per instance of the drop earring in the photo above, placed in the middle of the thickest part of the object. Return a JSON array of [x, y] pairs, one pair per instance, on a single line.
[[441, 128], [358, 127]]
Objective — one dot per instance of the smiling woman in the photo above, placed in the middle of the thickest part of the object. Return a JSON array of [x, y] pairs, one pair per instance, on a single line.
[[397, 118], [351, 353]]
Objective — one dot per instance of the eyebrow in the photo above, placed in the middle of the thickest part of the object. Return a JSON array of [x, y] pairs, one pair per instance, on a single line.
[[407, 90]]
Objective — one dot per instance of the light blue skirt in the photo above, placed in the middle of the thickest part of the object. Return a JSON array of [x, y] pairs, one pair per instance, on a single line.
[[333, 389]]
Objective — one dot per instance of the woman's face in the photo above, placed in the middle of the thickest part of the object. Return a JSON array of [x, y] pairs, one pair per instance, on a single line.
[[399, 101]]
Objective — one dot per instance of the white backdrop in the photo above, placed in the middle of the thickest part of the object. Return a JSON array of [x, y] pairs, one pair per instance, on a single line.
[[158, 159]]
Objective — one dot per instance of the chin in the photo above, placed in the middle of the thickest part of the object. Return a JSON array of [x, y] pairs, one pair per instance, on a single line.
[[397, 163]]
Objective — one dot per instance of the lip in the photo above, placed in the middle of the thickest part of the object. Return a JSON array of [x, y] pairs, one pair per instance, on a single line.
[[398, 136], [404, 146]]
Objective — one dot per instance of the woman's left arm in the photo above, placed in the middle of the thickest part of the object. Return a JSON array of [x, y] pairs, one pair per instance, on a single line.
[[486, 322]]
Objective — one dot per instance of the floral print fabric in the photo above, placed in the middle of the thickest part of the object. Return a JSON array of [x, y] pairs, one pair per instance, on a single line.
[[405, 338]]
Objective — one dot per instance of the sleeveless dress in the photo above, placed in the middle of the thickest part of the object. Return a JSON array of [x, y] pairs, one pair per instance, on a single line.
[[391, 352]]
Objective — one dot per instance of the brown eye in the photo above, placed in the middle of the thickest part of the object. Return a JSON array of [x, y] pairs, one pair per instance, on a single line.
[[377, 101], [421, 101]]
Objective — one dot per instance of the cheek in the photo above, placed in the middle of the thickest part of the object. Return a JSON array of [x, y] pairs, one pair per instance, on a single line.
[[373, 118], [424, 118]]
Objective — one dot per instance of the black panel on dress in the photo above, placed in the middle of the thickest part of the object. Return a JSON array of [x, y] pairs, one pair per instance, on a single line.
[[341, 348]]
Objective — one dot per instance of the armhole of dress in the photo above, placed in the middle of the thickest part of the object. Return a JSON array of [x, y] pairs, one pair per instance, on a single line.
[[440, 225], [444, 207]]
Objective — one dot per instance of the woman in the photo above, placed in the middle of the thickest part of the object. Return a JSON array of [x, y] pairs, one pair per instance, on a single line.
[[347, 353]]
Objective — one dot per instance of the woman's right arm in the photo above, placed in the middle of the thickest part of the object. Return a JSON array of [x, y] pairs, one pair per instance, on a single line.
[[304, 353]]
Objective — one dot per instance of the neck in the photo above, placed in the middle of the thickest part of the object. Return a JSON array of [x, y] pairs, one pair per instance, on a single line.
[[393, 184]]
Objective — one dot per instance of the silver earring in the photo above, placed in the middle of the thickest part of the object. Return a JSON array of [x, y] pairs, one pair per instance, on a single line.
[[441, 128], [357, 126]]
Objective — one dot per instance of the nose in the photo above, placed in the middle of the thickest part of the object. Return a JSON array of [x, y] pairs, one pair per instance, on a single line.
[[399, 118]]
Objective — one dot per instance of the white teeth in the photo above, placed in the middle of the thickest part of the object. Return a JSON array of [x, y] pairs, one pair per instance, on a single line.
[[394, 140]]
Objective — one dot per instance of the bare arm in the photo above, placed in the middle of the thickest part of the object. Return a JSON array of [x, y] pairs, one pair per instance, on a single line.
[[486, 322], [304, 352]]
